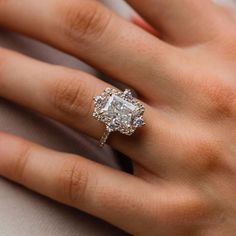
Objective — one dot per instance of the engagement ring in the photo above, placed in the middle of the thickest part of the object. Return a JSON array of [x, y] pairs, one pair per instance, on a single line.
[[119, 111]]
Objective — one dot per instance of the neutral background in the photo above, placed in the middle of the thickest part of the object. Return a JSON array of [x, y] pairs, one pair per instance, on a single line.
[[22, 212]]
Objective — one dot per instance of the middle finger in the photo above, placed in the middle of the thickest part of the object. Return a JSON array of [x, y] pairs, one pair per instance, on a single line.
[[88, 30]]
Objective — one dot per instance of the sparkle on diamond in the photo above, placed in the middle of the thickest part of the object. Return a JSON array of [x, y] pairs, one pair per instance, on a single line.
[[120, 109]]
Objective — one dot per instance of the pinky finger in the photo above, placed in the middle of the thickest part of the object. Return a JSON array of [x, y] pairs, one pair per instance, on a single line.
[[73, 180]]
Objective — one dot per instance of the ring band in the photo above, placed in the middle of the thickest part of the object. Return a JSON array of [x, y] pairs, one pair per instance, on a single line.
[[104, 138], [119, 111]]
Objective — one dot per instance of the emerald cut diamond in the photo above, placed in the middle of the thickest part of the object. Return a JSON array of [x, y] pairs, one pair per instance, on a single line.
[[119, 111]]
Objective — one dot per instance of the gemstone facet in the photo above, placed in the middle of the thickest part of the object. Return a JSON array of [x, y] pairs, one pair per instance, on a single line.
[[120, 111]]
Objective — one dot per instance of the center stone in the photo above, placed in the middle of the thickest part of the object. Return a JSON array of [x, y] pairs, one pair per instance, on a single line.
[[120, 109]]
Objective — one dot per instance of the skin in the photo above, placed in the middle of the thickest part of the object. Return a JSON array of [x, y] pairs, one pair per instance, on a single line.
[[184, 158]]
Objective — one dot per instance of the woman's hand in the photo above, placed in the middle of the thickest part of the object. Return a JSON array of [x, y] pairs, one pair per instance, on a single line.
[[184, 158]]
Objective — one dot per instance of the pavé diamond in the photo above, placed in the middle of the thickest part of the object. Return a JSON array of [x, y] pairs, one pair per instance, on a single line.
[[138, 122]]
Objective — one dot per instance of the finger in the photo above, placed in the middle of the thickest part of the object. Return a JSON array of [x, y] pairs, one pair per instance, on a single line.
[[114, 196], [88, 30], [143, 24], [63, 94], [182, 22]]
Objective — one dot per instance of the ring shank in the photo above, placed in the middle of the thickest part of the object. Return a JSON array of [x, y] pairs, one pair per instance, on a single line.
[[104, 138]]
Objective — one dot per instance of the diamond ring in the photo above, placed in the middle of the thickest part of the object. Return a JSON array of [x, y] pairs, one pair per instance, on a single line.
[[119, 111]]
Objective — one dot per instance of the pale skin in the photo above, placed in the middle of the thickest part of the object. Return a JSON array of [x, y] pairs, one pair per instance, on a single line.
[[184, 158]]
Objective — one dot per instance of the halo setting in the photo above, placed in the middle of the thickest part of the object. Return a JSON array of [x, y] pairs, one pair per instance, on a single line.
[[119, 111]]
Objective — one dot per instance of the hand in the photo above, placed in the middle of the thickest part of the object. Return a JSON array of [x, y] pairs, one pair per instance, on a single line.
[[184, 158]]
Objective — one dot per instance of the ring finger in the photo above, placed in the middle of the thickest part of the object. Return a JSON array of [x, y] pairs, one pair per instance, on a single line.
[[63, 94]]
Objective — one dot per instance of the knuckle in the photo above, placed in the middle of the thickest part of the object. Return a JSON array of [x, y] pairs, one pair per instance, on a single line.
[[190, 210], [203, 156], [71, 97], [22, 161], [220, 101], [180, 210], [84, 21], [73, 181]]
